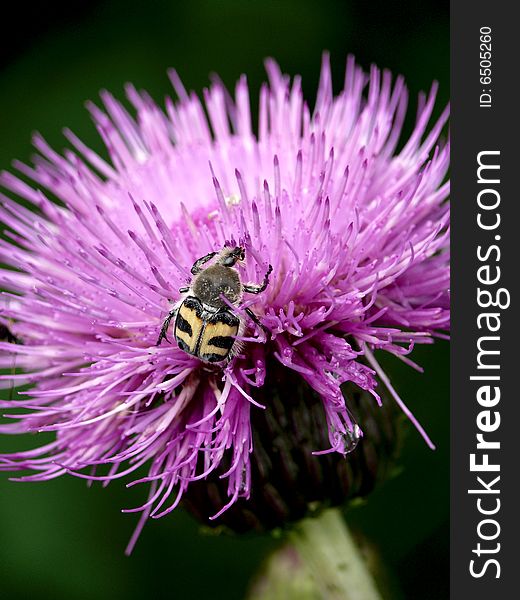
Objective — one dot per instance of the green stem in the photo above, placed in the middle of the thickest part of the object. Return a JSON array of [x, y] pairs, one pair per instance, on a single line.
[[320, 562], [333, 558]]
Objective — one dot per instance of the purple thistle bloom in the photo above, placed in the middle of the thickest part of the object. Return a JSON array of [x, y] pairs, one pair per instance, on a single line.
[[356, 233]]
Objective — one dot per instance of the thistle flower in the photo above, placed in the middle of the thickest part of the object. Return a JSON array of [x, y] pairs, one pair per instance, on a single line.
[[355, 230]]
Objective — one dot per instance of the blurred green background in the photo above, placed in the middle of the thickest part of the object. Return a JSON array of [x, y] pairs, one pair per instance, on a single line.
[[62, 540]]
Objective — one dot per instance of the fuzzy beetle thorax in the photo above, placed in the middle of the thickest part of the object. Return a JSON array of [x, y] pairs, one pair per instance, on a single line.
[[217, 281]]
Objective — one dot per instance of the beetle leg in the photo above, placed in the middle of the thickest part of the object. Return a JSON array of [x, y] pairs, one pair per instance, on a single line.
[[253, 288], [183, 290], [196, 269], [164, 328], [256, 320]]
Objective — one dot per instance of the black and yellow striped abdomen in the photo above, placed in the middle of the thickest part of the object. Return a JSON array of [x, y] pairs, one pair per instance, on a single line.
[[205, 334]]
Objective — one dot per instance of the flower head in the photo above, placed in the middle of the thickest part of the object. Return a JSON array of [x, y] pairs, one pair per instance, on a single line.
[[355, 231]]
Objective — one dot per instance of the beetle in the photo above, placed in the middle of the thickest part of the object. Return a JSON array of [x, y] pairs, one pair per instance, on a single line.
[[205, 324]]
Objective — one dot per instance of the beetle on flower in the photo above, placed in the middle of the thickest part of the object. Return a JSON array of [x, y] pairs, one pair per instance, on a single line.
[[356, 232], [204, 325]]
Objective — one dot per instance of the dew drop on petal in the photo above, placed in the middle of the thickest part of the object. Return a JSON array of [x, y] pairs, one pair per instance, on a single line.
[[243, 486], [347, 441]]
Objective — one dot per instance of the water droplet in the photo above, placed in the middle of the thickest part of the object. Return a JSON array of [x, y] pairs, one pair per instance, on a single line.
[[348, 441], [243, 488]]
